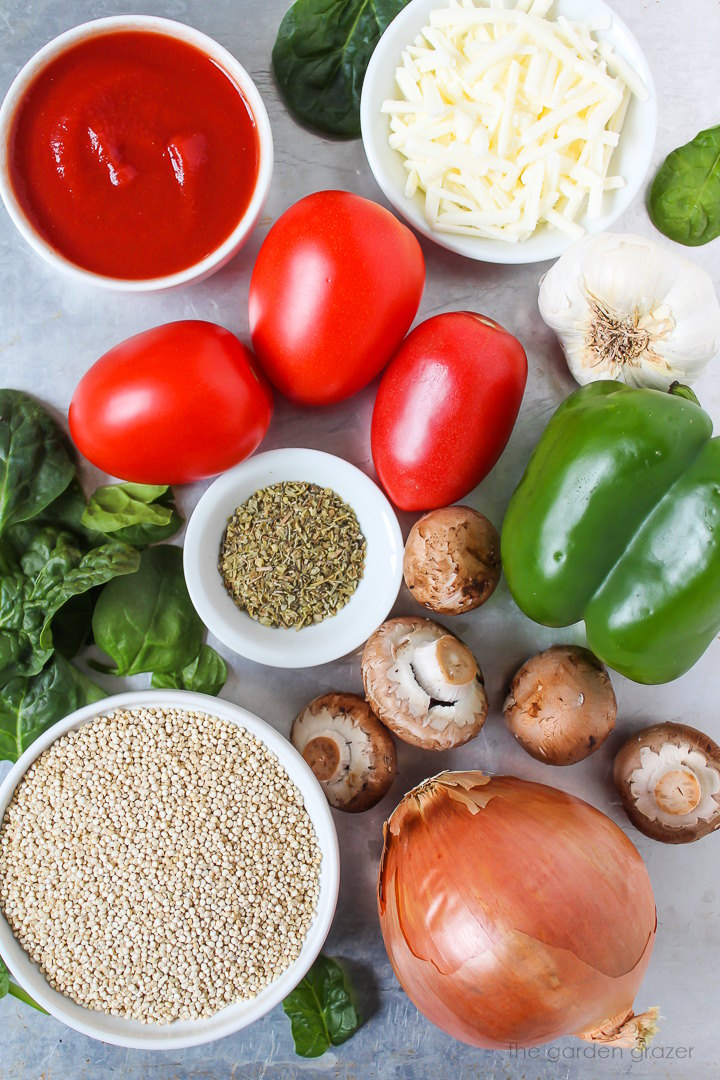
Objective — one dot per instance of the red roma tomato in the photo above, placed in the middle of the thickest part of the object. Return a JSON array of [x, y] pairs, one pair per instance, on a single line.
[[337, 282], [445, 409], [174, 404]]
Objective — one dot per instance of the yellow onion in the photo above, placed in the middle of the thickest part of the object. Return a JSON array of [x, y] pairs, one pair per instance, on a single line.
[[514, 914]]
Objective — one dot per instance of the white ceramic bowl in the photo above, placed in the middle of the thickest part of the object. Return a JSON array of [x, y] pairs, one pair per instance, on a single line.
[[631, 159], [181, 1033], [322, 642], [225, 60]]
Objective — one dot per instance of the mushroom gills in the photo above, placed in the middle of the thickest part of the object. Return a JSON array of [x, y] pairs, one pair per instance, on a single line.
[[675, 786]]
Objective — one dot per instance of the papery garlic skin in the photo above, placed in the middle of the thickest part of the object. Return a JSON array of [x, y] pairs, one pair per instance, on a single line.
[[629, 309]]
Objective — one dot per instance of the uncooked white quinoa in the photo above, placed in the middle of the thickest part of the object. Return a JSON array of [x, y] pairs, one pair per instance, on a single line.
[[159, 864]]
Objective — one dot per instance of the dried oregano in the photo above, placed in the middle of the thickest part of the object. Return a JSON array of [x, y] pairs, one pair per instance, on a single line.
[[292, 554]]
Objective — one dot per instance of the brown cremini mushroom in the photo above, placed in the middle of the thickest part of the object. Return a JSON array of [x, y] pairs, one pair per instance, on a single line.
[[561, 706], [424, 683], [452, 560], [668, 777], [347, 748]]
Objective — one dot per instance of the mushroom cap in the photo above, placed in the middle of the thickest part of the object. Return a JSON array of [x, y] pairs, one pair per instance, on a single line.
[[348, 749], [561, 705], [663, 770], [403, 704], [452, 560]]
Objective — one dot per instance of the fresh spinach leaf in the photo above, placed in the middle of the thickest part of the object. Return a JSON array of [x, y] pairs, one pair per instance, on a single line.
[[320, 56], [72, 625], [7, 986], [135, 513], [65, 512], [321, 1010], [51, 568], [17, 652], [114, 506], [205, 675], [28, 706], [684, 199], [35, 462], [148, 623]]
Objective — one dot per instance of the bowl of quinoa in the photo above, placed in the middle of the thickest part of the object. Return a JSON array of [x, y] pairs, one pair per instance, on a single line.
[[168, 869]]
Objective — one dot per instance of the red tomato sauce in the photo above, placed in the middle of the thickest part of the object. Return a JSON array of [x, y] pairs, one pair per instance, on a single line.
[[134, 155]]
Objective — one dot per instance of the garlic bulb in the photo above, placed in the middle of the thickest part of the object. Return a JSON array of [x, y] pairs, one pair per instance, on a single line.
[[629, 309]]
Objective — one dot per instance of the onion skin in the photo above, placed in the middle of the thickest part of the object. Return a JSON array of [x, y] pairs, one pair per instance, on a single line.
[[514, 914]]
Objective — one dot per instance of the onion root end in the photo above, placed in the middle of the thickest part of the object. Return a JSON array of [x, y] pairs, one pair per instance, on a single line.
[[627, 1031]]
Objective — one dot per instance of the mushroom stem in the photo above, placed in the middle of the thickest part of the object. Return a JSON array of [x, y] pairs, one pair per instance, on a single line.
[[444, 667], [677, 791], [326, 756], [668, 777]]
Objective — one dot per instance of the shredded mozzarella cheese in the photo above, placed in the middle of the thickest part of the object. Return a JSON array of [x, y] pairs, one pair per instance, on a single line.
[[508, 120]]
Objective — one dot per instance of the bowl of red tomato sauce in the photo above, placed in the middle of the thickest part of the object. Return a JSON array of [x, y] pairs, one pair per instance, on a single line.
[[137, 153]]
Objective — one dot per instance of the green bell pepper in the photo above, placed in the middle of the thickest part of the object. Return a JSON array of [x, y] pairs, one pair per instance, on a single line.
[[617, 521]]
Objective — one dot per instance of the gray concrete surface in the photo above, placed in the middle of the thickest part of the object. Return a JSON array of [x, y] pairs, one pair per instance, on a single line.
[[51, 331]]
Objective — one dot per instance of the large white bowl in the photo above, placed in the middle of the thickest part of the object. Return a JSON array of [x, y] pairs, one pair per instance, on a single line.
[[181, 1033], [224, 60], [322, 642], [631, 159]]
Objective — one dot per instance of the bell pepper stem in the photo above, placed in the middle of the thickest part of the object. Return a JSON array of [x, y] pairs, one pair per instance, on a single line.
[[680, 390]]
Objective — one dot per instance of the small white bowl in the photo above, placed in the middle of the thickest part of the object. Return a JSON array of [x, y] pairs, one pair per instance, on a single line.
[[631, 159], [124, 1032], [236, 72], [322, 642]]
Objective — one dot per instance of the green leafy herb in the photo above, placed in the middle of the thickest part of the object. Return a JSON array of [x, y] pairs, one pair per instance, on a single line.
[[205, 675], [320, 56], [72, 625], [684, 199], [56, 554], [66, 512], [35, 466], [51, 569], [7, 986], [135, 513], [292, 554], [148, 623], [28, 706], [321, 1010]]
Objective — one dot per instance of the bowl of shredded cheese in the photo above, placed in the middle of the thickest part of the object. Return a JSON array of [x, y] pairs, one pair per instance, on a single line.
[[506, 130]]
